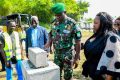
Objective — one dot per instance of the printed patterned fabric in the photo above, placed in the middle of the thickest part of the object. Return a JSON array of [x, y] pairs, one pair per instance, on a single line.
[[110, 59]]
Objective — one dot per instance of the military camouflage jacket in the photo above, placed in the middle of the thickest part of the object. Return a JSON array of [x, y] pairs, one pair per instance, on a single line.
[[64, 34]]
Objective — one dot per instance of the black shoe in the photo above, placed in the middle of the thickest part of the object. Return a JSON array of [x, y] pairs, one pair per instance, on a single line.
[[2, 70]]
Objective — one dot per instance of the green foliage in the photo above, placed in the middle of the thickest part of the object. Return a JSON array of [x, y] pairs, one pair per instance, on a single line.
[[5, 7], [75, 9], [71, 8], [83, 7], [42, 8], [48, 26], [89, 20], [18, 6]]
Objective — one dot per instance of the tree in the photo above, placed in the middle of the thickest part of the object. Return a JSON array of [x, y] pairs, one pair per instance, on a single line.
[[5, 7], [83, 7], [75, 9], [18, 8], [71, 7], [42, 8], [89, 20]]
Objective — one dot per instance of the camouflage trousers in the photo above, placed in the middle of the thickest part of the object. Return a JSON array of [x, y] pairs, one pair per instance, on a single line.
[[63, 58]]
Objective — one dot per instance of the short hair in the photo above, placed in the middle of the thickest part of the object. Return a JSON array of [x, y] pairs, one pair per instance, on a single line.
[[9, 21], [35, 18]]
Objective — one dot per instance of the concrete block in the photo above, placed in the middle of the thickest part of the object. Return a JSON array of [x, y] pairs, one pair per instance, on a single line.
[[51, 72], [38, 57]]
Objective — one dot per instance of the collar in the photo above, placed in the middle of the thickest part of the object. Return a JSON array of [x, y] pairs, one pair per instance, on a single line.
[[35, 27]]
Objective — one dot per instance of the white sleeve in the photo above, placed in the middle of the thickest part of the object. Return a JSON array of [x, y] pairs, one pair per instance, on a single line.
[[110, 59]]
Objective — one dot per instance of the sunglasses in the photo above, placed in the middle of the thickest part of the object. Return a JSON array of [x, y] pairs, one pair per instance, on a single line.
[[117, 24]]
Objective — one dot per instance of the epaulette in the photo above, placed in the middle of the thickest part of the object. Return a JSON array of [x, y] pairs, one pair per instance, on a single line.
[[71, 20]]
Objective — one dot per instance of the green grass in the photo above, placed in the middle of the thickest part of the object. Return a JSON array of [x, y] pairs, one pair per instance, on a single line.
[[77, 72]]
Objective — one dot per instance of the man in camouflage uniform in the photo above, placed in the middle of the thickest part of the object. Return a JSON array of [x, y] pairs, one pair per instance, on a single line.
[[62, 35]]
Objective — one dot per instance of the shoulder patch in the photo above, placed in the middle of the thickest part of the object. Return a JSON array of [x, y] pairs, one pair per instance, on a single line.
[[71, 20]]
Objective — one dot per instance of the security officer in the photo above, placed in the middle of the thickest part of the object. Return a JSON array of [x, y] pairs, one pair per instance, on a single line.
[[63, 35], [11, 48]]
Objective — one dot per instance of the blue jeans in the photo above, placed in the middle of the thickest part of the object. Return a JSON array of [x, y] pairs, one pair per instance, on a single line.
[[9, 71]]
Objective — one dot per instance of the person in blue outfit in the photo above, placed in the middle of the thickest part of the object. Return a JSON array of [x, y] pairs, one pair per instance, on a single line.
[[36, 36]]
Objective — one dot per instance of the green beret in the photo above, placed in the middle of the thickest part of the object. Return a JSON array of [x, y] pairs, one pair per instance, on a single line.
[[58, 8]]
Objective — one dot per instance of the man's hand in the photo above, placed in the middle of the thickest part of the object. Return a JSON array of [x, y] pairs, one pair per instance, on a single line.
[[22, 57], [51, 51], [77, 55], [27, 55], [8, 64], [82, 46], [47, 45], [75, 62]]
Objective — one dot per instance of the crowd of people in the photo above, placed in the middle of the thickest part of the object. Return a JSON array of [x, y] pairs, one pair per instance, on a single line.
[[101, 50]]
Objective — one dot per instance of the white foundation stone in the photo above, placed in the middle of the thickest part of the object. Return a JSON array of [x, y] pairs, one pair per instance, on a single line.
[[38, 57], [51, 72]]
